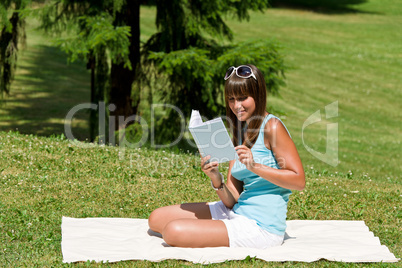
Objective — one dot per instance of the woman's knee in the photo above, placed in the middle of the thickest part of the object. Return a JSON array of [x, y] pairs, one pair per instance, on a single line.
[[173, 233], [160, 217], [155, 220]]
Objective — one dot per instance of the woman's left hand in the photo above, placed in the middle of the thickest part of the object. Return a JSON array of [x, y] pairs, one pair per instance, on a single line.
[[245, 156]]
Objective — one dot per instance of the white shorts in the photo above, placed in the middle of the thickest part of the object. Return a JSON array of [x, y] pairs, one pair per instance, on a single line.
[[242, 231]]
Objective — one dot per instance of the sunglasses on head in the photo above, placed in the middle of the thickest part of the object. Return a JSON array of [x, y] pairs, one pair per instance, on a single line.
[[242, 71]]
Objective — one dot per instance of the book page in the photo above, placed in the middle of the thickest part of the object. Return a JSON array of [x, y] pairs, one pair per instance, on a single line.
[[212, 138]]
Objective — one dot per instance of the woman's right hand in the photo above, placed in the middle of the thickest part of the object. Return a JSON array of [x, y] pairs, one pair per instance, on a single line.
[[211, 170]]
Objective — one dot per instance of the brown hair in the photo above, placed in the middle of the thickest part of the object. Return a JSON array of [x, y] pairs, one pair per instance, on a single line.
[[235, 87]]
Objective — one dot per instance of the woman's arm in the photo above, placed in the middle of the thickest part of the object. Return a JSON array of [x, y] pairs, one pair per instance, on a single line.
[[291, 173], [229, 192]]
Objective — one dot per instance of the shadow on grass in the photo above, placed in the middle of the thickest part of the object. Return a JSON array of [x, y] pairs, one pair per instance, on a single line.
[[322, 6], [44, 90]]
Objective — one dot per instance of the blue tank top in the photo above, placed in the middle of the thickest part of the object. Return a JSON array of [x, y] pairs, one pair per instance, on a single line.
[[261, 200]]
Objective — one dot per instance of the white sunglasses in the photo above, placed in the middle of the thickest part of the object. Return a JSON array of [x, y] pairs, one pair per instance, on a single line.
[[242, 71]]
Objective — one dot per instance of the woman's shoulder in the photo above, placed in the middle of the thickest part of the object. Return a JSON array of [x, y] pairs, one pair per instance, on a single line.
[[274, 128], [271, 122]]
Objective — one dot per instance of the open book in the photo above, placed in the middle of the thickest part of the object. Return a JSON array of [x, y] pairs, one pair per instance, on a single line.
[[212, 138]]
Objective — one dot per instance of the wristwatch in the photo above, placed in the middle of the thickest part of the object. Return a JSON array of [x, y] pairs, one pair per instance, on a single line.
[[222, 183]]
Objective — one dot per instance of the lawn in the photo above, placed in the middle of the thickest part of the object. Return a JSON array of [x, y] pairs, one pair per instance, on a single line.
[[45, 88], [351, 56], [43, 179]]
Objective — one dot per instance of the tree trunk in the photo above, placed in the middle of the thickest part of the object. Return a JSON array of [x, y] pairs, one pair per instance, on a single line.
[[98, 65], [8, 53], [92, 115], [122, 78]]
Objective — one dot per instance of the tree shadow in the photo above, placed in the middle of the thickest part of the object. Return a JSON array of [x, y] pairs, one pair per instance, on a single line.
[[322, 6], [45, 88]]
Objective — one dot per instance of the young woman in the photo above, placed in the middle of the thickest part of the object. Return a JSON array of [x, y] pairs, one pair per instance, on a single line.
[[253, 206]]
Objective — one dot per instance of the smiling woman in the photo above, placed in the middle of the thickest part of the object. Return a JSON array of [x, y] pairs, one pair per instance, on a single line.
[[243, 107], [253, 206]]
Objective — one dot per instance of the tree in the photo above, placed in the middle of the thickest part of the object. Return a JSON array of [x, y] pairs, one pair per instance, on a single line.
[[122, 78], [191, 63], [194, 65], [11, 35], [104, 32]]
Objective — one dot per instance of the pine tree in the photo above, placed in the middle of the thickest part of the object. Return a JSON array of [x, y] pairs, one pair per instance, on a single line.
[[194, 65], [104, 37]]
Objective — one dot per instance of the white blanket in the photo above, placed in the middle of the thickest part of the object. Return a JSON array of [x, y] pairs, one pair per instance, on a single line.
[[118, 239]]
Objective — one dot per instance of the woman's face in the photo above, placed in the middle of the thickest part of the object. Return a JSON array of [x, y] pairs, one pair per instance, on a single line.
[[242, 106]]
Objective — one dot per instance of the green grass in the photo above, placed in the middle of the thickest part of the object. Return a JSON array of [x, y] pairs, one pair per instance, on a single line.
[[350, 57], [46, 87], [43, 179]]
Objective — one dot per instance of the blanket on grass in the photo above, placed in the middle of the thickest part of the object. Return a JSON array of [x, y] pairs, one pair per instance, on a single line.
[[119, 239]]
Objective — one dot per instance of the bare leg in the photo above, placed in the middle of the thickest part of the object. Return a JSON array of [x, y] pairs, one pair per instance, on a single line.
[[160, 217], [196, 233], [188, 225]]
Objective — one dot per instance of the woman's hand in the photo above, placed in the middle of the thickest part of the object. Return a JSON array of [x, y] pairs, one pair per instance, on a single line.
[[211, 170], [245, 156]]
